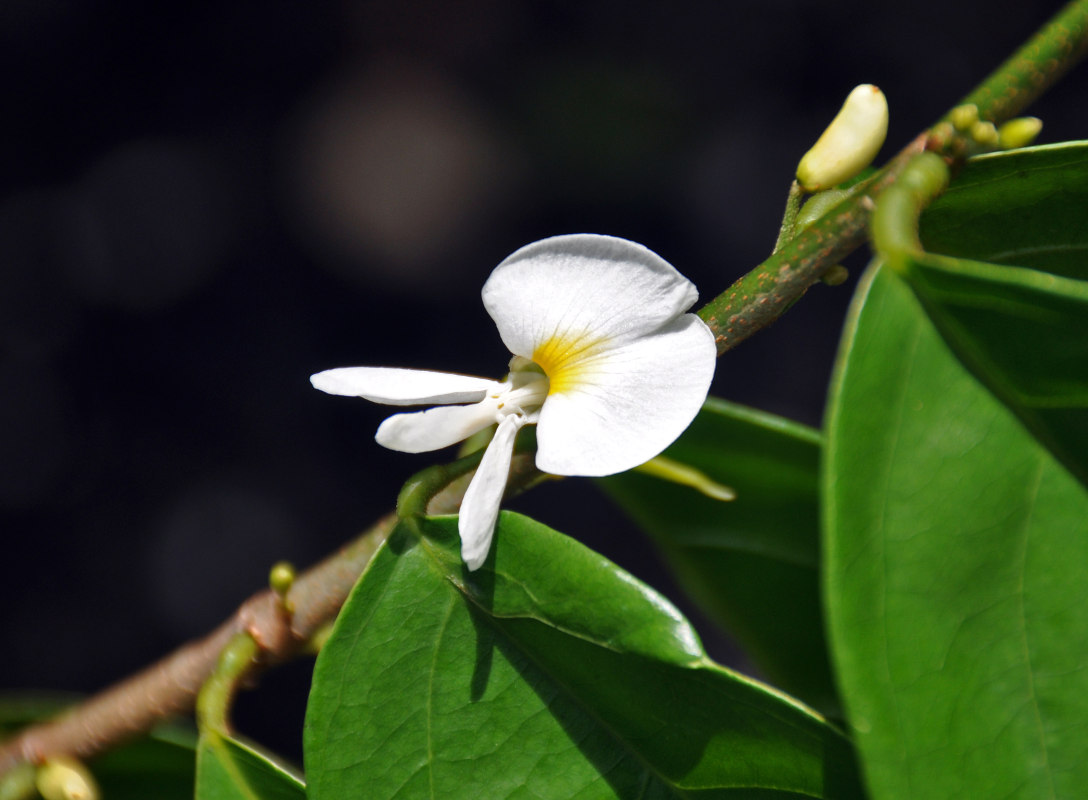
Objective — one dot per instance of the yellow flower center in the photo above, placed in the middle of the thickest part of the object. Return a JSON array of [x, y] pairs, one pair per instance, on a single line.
[[566, 359]]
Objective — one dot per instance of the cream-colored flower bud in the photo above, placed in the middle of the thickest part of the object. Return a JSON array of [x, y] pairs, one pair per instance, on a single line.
[[64, 778], [850, 142]]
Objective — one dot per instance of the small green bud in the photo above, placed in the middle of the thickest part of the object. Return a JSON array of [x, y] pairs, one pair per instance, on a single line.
[[64, 778], [984, 133], [282, 577], [1019, 132], [836, 275], [964, 117], [817, 205], [850, 142], [318, 639]]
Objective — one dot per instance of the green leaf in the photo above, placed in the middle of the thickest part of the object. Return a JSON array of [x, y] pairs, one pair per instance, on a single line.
[[548, 673], [751, 564], [160, 765], [231, 769], [956, 559], [1023, 207], [1022, 330]]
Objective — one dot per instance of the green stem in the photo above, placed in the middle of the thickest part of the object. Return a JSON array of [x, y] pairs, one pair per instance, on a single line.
[[421, 488], [789, 218], [437, 483], [895, 219], [215, 698]]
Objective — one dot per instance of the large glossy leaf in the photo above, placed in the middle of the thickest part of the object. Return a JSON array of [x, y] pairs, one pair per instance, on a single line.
[[160, 765], [1023, 329], [1026, 207], [548, 673], [956, 560], [231, 769], [752, 564]]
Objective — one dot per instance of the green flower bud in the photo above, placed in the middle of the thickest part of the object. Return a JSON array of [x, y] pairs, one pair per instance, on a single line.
[[817, 205], [1019, 132], [964, 117], [850, 142], [836, 275], [281, 577], [985, 134], [318, 639]]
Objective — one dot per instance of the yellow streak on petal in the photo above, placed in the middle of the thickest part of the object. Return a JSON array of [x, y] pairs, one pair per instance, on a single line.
[[566, 359]]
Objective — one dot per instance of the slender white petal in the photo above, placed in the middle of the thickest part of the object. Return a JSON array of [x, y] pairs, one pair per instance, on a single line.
[[480, 508], [435, 428], [582, 288], [403, 387], [628, 403]]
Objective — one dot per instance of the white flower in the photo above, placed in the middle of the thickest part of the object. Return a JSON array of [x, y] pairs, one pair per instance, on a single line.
[[606, 364]]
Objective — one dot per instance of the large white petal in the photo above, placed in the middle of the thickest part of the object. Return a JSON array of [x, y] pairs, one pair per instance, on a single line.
[[480, 508], [403, 387], [583, 287], [435, 428], [629, 403]]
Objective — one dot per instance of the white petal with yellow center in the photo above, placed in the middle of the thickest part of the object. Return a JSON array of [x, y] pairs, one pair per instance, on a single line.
[[620, 406], [583, 288]]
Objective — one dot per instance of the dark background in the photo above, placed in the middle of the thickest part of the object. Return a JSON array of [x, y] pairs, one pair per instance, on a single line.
[[203, 203]]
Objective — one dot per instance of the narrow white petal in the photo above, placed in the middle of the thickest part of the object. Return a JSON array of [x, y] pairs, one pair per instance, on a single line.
[[435, 428], [629, 404], [480, 508], [583, 287], [402, 387]]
